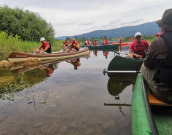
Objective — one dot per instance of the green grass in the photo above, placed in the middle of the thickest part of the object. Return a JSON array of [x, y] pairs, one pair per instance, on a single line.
[[11, 43]]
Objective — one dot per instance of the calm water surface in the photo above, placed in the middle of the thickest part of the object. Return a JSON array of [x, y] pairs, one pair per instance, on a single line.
[[68, 102]]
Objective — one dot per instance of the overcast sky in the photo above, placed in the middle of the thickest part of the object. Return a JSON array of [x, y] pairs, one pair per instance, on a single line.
[[73, 17]]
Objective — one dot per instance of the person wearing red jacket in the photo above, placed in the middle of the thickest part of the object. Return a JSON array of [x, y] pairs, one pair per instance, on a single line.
[[45, 46], [121, 40], [130, 40], [105, 42], [95, 43], [139, 47], [87, 42], [74, 45]]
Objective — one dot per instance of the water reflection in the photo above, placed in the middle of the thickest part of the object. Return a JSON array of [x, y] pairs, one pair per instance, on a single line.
[[21, 76], [116, 85], [75, 62], [48, 69], [59, 105], [95, 52], [105, 53]]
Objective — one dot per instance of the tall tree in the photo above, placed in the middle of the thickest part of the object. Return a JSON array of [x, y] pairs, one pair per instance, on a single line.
[[28, 25]]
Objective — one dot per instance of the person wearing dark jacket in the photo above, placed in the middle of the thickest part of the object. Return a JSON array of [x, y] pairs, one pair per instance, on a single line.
[[157, 65]]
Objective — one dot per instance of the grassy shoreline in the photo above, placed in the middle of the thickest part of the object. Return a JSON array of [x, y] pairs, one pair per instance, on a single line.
[[8, 44]]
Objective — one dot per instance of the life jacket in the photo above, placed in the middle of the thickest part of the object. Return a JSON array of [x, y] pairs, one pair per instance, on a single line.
[[139, 48], [130, 39], [75, 45], [163, 70], [121, 40], [88, 42], [65, 43], [95, 43], [44, 46], [106, 42]]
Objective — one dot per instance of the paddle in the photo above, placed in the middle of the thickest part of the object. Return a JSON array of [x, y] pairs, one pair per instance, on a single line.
[[108, 104], [119, 71]]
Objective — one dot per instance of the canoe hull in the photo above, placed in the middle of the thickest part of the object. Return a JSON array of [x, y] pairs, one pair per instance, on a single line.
[[104, 47], [16, 57], [141, 124]]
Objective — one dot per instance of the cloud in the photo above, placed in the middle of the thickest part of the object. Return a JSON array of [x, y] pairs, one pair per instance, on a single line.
[[73, 17]]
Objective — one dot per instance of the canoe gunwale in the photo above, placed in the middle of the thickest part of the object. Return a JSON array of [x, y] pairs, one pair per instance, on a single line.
[[149, 112], [49, 57], [26, 55]]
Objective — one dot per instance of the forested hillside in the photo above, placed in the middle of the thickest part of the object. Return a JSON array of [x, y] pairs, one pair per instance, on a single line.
[[146, 29]]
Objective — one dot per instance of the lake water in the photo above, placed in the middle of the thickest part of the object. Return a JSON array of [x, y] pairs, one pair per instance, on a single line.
[[71, 100]]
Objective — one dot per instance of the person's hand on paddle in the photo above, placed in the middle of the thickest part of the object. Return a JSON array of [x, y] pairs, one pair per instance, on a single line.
[[138, 56]]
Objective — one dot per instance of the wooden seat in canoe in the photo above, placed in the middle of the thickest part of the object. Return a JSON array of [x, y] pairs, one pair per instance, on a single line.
[[156, 102]]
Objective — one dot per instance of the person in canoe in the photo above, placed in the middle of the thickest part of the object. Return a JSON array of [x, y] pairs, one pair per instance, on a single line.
[[74, 46], [95, 43], [130, 40], [88, 42], [65, 45], [121, 40], [157, 65], [105, 41], [139, 47], [45, 46]]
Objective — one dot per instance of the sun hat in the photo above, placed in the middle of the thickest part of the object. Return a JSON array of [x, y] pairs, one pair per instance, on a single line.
[[42, 39], [166, 21], [137, 34]]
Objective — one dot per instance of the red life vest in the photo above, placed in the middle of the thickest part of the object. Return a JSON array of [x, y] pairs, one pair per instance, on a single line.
[[130, 39], [140, 48], [88, 42], [121, 40], [95, 43], [44, 45], [75, 45], [106, 42]]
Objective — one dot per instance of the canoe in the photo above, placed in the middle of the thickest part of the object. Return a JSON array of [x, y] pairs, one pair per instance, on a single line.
[[17, 57], [122, 44], [124, 64], [103, 47], [146, 118]]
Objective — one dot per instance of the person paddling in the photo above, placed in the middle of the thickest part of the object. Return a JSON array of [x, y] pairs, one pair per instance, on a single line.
[[130, 40], [138, 47], [45, 46], [105, 41], [74, 45], [157, 65], [95, 43], [88, 42], [65, 45]]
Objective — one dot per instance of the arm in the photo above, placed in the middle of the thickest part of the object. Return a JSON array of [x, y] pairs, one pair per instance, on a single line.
[[134, 54]]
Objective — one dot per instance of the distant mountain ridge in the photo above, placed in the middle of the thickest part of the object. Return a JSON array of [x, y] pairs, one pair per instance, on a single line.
[[150, 28]]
